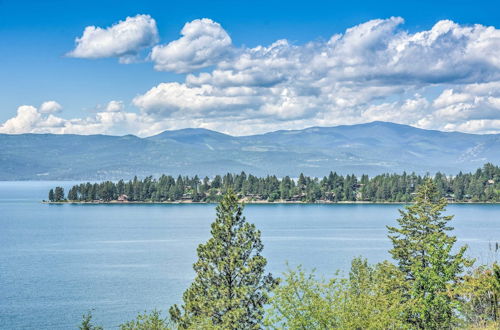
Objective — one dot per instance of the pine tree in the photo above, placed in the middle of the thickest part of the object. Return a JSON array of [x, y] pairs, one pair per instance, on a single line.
[[51, 195], [423, 250], [59, 194], [72, 194], [230, 288]]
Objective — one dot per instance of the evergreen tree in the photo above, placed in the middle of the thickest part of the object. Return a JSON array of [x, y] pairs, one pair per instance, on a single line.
[[230, 288], [217, 182], [72, 194], [51, 195], [59, 194], [423, 250], [302, 181]]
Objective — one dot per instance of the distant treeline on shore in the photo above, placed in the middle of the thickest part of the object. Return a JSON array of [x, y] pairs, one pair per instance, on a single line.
[[481, 186]]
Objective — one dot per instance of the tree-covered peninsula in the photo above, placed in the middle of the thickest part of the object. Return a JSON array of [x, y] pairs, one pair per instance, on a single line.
[[481, 186]]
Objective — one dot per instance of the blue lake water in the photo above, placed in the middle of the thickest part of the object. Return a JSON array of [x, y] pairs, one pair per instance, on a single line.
[[58, 261]]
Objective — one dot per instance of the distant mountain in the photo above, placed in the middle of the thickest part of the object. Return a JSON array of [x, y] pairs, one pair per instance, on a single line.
[[371, 148]]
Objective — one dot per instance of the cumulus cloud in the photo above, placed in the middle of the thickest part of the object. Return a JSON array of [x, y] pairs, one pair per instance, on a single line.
[[114, 106], [169, 98], [50, 107], [446, 77], [373, 71], [467, 108], [26, 118], [123, 39], [203, 43]]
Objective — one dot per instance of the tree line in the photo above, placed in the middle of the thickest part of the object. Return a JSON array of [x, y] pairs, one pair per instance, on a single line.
[[429, 284], [481, 186]]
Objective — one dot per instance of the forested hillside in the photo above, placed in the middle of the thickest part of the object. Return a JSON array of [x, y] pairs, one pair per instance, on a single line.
[[371, 148]]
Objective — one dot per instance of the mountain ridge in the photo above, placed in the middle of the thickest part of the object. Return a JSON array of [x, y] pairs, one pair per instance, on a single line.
[[371, 148]]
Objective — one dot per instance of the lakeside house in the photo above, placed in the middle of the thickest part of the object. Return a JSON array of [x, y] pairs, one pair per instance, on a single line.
[[254, 197], [122, 198], [296, 198], [450, 198], [187, 197]]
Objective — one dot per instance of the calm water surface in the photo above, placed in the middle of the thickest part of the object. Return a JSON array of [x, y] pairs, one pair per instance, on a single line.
[[58, 261]]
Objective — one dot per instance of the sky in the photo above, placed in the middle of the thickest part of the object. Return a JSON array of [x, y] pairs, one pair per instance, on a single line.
[[247, 67]]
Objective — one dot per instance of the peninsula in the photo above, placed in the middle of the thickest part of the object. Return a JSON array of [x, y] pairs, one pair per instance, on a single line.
[[482, 186]]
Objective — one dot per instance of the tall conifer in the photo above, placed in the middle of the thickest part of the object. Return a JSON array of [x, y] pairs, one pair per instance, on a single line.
[[51, 195], [230, 288], [424, 252]]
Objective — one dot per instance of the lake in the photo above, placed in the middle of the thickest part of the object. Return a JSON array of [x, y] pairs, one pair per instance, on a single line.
[[58, 261]]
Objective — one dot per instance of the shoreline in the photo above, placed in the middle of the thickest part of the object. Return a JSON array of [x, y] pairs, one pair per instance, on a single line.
[[249, 202]]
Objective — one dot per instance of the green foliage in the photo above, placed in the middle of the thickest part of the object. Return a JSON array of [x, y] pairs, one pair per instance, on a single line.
[[372, 297], [369, 298], [230, 288], [87, 323], [145, 321], [479, 293], [483, 186], [302, 302], [423, 251]]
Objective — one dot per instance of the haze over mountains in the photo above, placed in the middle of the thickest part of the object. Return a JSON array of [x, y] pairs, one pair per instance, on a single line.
[[371, 148]]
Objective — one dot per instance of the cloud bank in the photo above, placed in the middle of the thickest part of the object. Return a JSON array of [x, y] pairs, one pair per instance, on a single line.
[[447, 78], [30, 119]]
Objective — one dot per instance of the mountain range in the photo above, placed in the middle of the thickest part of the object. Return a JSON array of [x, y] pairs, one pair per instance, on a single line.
[[371, 148]]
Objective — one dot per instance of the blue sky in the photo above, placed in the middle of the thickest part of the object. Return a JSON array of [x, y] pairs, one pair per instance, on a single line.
[[36, 38]]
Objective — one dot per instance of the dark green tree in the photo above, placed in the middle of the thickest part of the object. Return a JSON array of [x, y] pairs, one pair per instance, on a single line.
[[51, 195], [72, 194], [59, 194], [423, 249], [230, 288]]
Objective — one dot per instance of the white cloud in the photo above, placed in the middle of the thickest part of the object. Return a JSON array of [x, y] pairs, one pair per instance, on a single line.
[[50, 107], [114, 106], [467, 108], [373, 71], [474, 126], [123, 39], [168, 98], [203, 43], [447, 77], [29, 119], [449, 97]]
